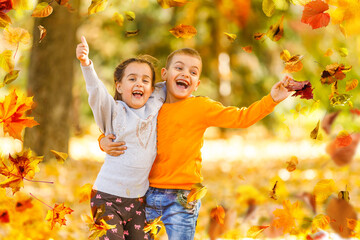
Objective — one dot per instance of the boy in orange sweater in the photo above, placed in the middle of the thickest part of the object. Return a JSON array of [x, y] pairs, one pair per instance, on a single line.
[[182, 121]]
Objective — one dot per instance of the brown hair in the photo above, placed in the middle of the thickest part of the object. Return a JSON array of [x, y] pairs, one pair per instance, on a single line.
[[120, 69], [186, 51]]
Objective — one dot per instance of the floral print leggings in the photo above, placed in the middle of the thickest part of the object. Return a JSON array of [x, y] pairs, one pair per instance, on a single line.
[[128, 214]]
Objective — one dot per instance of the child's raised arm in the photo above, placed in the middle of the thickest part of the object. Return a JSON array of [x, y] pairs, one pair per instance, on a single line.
[[82, 52], [279, 91]]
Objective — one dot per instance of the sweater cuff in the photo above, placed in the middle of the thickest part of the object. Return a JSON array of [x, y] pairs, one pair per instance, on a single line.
[[269, 101]]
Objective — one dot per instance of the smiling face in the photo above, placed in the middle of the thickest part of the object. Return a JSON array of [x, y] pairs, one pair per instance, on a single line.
[[135, 86], [182, 77]]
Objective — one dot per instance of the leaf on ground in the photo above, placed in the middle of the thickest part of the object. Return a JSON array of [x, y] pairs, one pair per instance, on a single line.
[[323, 189], [12, 114], [183, 31], [218, 214], [255, 231], [60, 156], [314, 15], [197, 192], [22, 165], [57, 215], [97, 6], [343, 139]]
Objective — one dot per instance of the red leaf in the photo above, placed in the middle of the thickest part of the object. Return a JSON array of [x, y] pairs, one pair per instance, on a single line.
[[314, 15], [302, 89], [6, 5], [4, 216]]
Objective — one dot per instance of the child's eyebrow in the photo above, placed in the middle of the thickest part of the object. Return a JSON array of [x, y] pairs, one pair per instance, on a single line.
[[134, 74], [183, 64]]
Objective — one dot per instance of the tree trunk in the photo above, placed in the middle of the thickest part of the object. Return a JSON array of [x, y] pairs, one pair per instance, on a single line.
[[51, 80]]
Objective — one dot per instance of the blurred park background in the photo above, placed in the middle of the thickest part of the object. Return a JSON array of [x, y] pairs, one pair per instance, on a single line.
[[240, 167]]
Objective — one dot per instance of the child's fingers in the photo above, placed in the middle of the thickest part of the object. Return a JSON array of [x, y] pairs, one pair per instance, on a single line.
[[83, 40]]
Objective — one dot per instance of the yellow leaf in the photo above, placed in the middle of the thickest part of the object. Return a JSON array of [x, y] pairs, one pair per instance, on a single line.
[[5, 20], [315, 132], [172, 3], [276, 30], [254, 231], [343, 52], [321, 221], [292, 63], [6, 61], [323, 189], [97, 6], [218, 213], [351, 84], [268, 7], [60, 156], [130, 16], [42, 33], [118, 18], [14, 36], [273, 192], [285, 55], [287, 217], [198, 191], [328, 53], [183, 31], [291, 165], [86, 192], [10, 77], [230, 36], [42, 10]]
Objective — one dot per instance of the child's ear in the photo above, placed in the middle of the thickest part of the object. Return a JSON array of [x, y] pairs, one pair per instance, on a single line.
[[163, 74], [197, 85], [118, 87]]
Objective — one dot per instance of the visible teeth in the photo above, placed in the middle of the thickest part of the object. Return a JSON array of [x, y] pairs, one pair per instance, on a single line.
[[183, 82], [137, 92]]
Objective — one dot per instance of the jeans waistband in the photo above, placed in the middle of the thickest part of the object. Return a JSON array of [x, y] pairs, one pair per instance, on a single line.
[[165, 190]]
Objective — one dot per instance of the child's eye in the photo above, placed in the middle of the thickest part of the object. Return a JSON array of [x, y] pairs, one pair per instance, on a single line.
[[178, 68], [146, 81], [194, 73], [132, 79]]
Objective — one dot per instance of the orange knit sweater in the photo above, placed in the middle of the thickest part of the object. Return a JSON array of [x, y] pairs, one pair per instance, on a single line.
[[180, 132]]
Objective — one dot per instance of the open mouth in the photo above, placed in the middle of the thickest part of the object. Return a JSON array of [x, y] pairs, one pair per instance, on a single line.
[[182, 83], [137, 93]]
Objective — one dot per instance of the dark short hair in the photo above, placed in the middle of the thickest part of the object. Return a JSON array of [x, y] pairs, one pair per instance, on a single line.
[[186, 51], [120, 69]]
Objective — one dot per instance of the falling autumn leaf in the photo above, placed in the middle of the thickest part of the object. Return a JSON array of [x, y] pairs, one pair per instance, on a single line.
[[218, 214], [286, 218], [97, 6], [328, 53], [314, 15], [334, 72], [132, 33], [7, 61], [183, 31], [57, 215], [153, 226], [351, 84], [130, 16], [197, 192], [42, 10], [15, 36], [276, 31], [23, 204], [230, 36], [291, 165], [340, 99], [259, 36], [247, 49], [42, 33], [323, 189], [97, 222], [60, 156], [12, 114], [346, 15], [4, 216], [343, 139], [5, 20], [10, 77], [86, 192], [292, 63], [118, 18], [315, 133], [320, 221], [268, 7], [22, 166], [273, 192], [172, 3], [255, 231], [344, 195], [343, 52]]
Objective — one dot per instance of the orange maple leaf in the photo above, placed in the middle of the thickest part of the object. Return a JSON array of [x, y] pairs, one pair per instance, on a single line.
[[333, 73], [57, 215], [12, 114], [23, 166], [314, 15], [183, 31], [286, 218], [218, 213]]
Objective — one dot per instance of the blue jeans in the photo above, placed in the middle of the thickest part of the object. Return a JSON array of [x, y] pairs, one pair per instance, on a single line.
[[179, 219]]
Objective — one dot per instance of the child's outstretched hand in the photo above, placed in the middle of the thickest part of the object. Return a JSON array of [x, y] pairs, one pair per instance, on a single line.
[[279, 91], [82, 52]]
